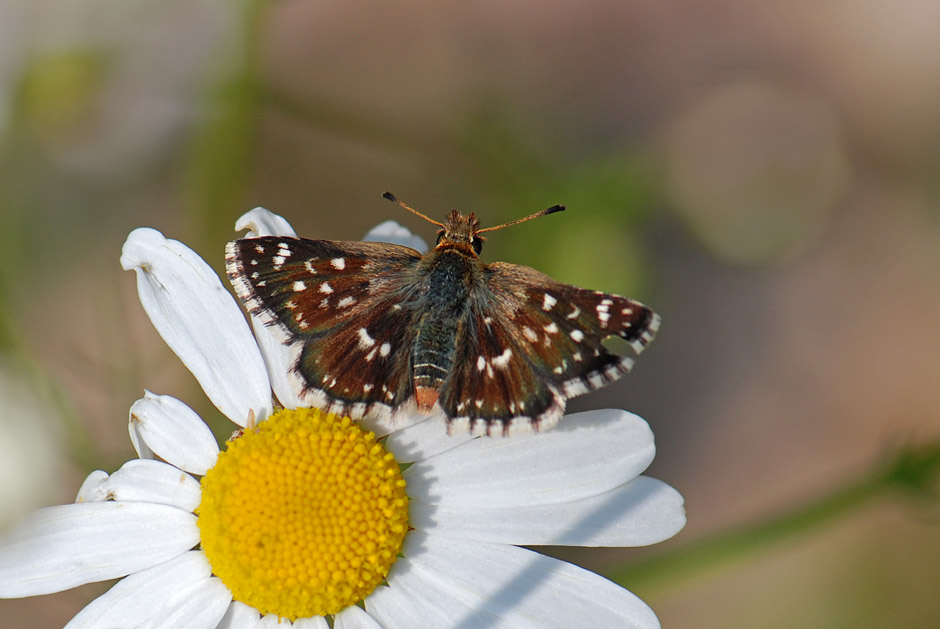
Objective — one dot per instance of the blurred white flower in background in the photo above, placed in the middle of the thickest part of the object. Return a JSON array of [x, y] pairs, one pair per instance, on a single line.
[[30, 448], [95, 84]]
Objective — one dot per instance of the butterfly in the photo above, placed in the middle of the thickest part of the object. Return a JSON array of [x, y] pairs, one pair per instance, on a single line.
[[499, 347]]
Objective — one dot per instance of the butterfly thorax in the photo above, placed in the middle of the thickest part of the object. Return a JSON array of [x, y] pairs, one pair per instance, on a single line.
[[450, 271]]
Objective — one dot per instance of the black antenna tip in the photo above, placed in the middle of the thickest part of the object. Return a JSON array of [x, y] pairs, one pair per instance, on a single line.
[[391, 197], [555, 208]]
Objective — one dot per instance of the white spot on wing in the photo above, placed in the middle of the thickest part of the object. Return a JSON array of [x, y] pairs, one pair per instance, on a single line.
[[346, 301], [365, 341], [548, 302], [577, 336], [503, 359], [338, 263], [481, 363], [385, 349], [530, 334], [299, 286], [326, 288], [551, 328]]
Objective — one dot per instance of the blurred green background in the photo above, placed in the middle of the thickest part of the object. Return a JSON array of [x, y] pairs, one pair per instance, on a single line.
[[763, 174]]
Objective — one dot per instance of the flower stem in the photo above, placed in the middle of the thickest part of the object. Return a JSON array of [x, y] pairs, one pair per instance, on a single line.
[[218, 173], [914, 469]]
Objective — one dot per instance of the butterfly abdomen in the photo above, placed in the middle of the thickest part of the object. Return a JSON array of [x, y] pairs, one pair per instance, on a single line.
[[434, 348]]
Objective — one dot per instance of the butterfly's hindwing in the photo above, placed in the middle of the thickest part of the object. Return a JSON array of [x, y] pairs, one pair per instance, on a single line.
[[343, 307], [548, 336], [494, 387]]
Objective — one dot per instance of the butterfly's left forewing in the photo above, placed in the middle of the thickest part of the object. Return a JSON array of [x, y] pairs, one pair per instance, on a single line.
[[343, 307]]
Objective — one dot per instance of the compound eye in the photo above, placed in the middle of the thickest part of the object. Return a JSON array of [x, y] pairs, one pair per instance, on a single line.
[[477, 244], [440, 236]]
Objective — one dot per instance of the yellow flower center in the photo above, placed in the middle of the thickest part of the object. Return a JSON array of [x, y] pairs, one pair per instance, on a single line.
[[303, 516]]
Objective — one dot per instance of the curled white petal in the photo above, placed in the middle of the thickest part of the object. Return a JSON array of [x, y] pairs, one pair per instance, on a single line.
[[587, 454], [261, 222], [61, 547], [94, 488], [134, 600], [174, 432], [641, 512], [200, 321], [390, 231], [495, 585], [144, 480]]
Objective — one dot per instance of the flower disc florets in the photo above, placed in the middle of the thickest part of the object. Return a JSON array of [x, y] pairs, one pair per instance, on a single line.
[[304, 515]]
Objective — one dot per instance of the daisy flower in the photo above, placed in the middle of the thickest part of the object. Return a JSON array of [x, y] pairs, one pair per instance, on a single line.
[[306, 517]]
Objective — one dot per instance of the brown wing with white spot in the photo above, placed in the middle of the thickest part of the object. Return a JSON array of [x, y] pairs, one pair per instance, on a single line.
[[346, 307], [532, 343]]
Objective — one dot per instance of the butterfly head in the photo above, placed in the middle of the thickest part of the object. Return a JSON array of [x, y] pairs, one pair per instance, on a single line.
[[460, 232], [463, 232]]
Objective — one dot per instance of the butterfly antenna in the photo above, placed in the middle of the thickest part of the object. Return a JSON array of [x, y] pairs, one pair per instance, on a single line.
[[545, 212], [391, 197]]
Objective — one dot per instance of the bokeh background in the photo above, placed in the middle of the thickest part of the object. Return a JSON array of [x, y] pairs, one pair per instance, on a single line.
[[763, 174]]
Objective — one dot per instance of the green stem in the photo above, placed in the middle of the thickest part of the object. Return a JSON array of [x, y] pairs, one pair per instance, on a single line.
[[220, 161], [912, 469]]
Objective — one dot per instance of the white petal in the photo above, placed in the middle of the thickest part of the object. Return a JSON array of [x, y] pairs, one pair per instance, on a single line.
[[174, 432], [133, 600], [392, 232], [354, 617], [199, 607], [317, 622], [279, 359], [94, 488], [404, 604], [587, 454], [261, 222], [200, 321], [494, 585], [386, 422], [143, 480], [424, 439], [240, 616], [60, 547], [641, 512]]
